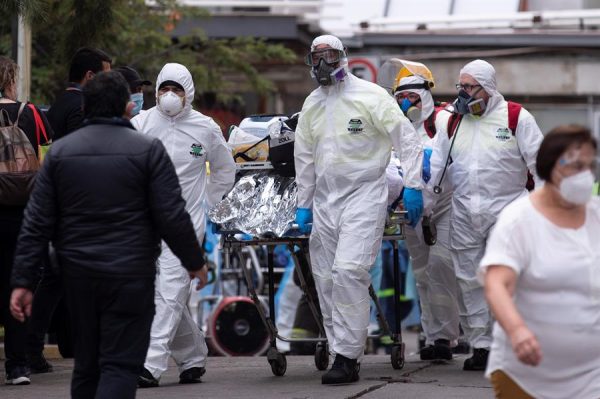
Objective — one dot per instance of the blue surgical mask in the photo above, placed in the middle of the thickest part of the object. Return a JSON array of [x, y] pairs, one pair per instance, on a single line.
[[138, 100]]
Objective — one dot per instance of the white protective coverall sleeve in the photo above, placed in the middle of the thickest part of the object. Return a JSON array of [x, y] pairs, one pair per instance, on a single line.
[[394, 180], [405, 139], [222, 167], [440, 145], [529, 138], [304, 162]]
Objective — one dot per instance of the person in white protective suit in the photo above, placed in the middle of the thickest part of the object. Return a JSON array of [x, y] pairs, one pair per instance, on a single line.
[[486, 166], [191, 139], [342, 147], [432, 265]]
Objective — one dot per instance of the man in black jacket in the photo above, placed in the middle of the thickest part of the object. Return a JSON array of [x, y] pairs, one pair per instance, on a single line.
[[66, 113], [65, 116], [105, 197]]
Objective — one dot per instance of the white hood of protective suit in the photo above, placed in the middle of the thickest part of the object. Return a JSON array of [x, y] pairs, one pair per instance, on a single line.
[[426, 97], [330, 40], [485, 74], [180, 74], [191, 140]]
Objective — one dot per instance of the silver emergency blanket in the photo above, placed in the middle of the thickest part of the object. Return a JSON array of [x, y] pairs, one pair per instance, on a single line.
[[260, 204]]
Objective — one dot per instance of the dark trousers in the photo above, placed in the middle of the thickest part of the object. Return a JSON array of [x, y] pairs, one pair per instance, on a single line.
[[111, 320], [14, 331], [45, 300]]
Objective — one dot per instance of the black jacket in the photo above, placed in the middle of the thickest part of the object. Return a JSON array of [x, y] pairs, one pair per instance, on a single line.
[[105, 196], [66, 113]]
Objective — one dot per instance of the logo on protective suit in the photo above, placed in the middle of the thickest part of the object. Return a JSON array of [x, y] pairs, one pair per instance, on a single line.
[[196, 150], [355, 126], [503, 134]]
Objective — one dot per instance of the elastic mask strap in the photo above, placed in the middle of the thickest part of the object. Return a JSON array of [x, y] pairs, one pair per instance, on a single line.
[[412, 86]]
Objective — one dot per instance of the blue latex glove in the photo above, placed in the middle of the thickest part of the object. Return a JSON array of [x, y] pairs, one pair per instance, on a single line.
[[303, 219], [413, 203], [426, 165], [208, 246]]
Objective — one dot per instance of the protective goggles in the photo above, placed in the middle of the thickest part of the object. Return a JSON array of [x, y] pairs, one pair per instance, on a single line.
[[401, 95], [329, 55]]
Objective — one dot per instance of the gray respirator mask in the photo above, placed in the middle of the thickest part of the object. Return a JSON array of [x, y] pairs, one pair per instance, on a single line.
[[466, 104], [327, 75]]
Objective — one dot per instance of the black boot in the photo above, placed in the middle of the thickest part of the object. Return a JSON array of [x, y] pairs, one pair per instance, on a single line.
[[478, 361], [38, 364], [427, 353], [147, 380], [442, 349], [463, 347], [192, 375], [343, 371]]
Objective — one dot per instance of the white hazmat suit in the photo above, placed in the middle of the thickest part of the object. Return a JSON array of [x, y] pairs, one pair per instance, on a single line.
[[191, 139], [343, 145], [432, 265], [488, 170]]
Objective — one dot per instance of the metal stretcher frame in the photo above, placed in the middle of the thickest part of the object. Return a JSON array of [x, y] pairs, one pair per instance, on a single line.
[[276, 359]]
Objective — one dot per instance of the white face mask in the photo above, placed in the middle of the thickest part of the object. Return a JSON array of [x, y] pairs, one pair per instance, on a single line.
[[170, 103], [577, 189]]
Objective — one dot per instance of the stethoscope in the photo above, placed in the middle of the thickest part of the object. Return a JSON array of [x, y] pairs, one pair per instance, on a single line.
[[438, 188]]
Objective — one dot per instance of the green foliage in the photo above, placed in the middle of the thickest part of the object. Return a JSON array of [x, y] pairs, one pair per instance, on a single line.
[[137, 35]]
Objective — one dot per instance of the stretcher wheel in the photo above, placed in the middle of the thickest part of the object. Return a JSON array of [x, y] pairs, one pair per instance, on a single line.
[[322, 356], [397, 356], [278, 362]]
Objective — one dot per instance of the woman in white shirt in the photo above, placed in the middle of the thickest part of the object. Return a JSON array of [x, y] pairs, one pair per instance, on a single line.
[[541, 272]]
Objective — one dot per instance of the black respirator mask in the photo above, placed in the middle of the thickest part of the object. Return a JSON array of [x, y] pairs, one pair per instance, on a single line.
[[325, 65], [326, 74], [466, 104]]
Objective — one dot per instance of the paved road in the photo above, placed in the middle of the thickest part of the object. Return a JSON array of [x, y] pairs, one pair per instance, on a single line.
[[251, 377]]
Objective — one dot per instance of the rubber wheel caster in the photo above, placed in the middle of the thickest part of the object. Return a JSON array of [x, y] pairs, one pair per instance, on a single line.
[[277, 361], [397, 356], [322, 356]]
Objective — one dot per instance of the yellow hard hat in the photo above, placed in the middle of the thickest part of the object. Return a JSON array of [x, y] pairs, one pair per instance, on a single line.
[[394, 69]]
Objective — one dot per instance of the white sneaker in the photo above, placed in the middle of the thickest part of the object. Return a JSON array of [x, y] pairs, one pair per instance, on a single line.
[[18, 376]]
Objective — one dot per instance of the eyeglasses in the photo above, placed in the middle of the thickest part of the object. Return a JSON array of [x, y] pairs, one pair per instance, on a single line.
[[466, 86], [329, 55], [578, 165]]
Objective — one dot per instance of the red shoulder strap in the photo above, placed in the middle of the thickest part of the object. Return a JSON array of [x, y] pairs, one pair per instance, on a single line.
[[39, 124], [452, 123], [429, 125], [514, 109]]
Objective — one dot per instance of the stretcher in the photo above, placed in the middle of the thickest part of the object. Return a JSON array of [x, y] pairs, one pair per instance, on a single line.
[[232, 241]]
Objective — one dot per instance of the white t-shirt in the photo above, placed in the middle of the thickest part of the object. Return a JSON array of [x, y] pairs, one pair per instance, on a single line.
[[558, 296]]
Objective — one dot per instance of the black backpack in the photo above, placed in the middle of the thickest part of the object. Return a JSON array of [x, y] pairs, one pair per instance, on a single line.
[[281, 148]]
